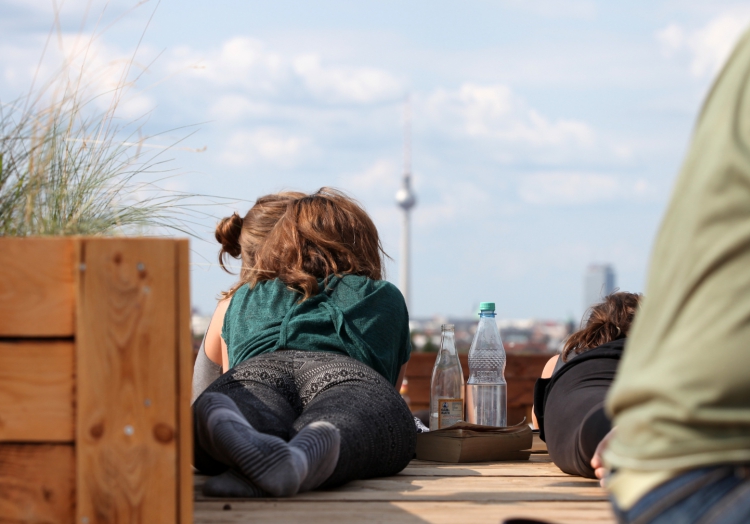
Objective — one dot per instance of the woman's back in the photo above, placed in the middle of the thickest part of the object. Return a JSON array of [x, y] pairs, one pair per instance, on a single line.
[[569, 405], [353, 315], [573, 413]]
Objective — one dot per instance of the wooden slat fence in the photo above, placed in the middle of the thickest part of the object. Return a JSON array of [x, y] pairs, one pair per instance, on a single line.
[[521, 372]]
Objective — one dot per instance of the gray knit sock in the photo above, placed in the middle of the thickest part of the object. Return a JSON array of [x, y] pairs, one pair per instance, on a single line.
[[267, 461], [232, 484], [320, 443]]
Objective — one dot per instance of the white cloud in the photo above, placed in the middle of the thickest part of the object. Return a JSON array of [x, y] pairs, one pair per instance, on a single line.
[[248, 64], [72, 8], [556, 8], [456, 200], [265, 146], [708, 46], [671, 38], [232, 107], [101, 75], [360, 84], [380, 177], [240, 62], [493, 112], [574, 188]]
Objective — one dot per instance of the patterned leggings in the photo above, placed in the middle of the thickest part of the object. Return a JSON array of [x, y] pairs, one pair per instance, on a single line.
[[279, 393]]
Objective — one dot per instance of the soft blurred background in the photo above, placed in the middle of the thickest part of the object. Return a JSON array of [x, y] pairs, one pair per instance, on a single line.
[[545, 135]]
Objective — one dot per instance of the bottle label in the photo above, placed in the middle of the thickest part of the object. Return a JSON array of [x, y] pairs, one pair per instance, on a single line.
[[450, 411]]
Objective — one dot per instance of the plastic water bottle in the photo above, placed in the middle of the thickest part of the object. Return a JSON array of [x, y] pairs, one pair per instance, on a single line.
[[447, 386], [486, 389]]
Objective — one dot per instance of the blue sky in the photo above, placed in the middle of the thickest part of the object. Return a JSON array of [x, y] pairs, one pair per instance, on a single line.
[[546, 134]]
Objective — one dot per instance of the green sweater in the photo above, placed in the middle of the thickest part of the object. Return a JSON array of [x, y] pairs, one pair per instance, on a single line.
[[353, 315]]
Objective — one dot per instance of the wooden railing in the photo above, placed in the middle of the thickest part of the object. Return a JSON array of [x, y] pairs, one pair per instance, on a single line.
[[521, 373]]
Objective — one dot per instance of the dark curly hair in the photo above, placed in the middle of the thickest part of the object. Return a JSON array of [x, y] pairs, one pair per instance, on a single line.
[[607, 321]]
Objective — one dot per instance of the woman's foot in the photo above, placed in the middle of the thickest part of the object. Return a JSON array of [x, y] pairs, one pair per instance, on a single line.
[[319, 443], [267, 461], [232, 484]]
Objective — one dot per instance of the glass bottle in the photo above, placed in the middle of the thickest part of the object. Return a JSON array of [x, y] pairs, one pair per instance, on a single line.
[[486, 389], [447, 385]]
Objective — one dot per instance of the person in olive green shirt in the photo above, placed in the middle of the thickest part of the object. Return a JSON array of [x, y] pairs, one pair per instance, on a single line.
[[681, 399]]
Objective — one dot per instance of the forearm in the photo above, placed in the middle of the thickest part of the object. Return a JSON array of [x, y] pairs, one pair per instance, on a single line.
[[204, 373]]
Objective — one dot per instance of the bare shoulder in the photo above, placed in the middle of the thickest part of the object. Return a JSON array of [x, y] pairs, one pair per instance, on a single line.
[[221, 309], [549, 367], [213, 344]]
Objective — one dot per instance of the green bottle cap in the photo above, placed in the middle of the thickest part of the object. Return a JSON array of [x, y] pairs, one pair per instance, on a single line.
[[486, 306]]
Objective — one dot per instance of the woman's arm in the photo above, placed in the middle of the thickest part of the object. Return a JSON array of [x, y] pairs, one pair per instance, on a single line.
[[216, 348], [597, 462], [574, 418], [401, 375], [204, 372], [209, 363], [549, 367]]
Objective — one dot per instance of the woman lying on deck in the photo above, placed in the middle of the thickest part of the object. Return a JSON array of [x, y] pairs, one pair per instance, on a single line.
[[569, 398], [314, 345]]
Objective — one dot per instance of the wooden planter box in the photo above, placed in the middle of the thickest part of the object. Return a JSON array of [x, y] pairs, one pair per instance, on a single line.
[[95, 371], [521, 372]]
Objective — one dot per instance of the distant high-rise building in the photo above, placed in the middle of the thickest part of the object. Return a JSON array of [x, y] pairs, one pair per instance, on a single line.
[[598, 283], [406, 200]]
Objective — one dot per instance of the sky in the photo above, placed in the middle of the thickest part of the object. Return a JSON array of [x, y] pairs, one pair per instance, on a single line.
[[546, 135]]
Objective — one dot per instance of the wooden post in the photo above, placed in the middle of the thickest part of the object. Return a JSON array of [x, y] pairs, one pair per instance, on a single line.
[[95, 381]]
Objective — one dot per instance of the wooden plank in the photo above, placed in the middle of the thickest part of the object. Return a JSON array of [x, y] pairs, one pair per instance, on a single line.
[[184, 385], [517, 365], [526, 365], [37, 483], [126, 367], [536, 459], [37, 287], [421, 364], [468, 489], [36, 391], [513, 469], [521, 392], [293, 512], [419, 391], [525, 468], [521, 373]]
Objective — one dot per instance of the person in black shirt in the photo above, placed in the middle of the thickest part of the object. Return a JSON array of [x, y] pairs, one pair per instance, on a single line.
[[569, 398]]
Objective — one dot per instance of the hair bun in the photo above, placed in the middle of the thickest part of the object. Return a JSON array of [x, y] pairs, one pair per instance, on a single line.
[[228, 235]]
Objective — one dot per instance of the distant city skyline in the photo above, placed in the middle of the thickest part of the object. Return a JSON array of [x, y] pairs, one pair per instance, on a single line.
[[599, 281]]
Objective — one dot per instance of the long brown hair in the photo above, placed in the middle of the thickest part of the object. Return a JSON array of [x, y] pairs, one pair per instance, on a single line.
[[607, 321], [241, 237], [315, 237]]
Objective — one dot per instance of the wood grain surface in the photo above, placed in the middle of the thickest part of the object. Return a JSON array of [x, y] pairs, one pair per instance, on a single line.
[[185, 379], [37, 287], [429, 492], [283, 512], [462, 488], [537, 466], [126, 451], [36, 391], [37, 483], [521, 372]]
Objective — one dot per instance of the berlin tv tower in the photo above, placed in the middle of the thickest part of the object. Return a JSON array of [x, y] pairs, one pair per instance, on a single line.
[[406, 199]]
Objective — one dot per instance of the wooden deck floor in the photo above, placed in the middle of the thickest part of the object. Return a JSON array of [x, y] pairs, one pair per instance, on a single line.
[[430, 492]]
